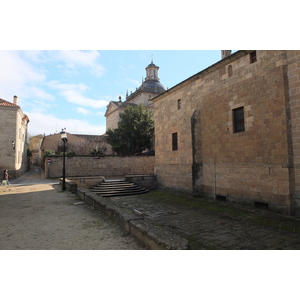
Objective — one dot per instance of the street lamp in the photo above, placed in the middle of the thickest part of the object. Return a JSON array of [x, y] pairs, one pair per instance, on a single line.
[[64, 138]]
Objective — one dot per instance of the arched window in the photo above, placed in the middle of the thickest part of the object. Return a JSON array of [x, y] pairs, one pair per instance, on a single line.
[[230, 71]]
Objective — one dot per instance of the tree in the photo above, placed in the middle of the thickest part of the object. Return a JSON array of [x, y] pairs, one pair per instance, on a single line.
[[97, 151], [134, 133]]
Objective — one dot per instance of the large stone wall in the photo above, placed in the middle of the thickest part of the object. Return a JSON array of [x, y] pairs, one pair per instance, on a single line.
[[293, 73], [211, 159], [107, 166]]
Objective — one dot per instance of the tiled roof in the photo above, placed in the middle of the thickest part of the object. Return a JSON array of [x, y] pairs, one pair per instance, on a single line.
[[7, 103]]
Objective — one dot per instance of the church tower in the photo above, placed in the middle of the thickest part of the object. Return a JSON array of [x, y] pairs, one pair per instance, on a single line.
[[150, 88]]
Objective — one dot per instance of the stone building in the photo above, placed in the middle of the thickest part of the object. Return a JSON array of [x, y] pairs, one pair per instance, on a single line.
[[232, 131], [13, 150], [80, 144], [150, 88]]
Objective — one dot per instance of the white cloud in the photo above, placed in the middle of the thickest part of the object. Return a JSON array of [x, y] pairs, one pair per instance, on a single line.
[[48, 124], [73, 94], [76, 58], [83, 111], [19, 77], [14, 68]]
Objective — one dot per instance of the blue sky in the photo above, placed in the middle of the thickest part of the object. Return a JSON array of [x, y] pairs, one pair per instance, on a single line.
[[71, 88], [65, 88]]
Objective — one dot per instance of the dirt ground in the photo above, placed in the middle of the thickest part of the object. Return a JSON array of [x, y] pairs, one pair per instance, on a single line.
[[40, 216]]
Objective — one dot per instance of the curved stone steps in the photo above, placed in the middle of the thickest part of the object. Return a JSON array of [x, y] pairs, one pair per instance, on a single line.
[[114, 188]]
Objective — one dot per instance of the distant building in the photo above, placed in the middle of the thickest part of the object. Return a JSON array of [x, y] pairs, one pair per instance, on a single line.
[[80, 144], [233, 131], [150, 88], [13, 137]]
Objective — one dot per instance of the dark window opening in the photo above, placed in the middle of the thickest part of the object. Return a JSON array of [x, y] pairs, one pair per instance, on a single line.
[[179, 104], [253, 57], [221, 198], [261, 205], [230, 71], [174, 141], [238, 120]]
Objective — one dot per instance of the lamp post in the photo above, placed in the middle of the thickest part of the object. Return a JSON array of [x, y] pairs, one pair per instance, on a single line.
[[64, 138]]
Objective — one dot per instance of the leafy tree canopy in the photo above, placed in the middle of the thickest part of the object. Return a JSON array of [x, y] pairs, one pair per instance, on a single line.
[[134, 133]]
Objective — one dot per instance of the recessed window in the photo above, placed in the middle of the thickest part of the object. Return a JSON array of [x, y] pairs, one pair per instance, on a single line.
[[238, 120], [179, 104], [253, 57], [174, 141], [230, 71]]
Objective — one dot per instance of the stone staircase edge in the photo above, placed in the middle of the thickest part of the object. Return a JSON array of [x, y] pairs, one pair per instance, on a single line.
[[152, 237]]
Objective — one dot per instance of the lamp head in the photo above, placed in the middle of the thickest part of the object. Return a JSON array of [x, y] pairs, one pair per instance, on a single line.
[[63, 135]]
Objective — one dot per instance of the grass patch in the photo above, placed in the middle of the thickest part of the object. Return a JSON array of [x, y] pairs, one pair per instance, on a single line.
[[189, 202], [238, 212]]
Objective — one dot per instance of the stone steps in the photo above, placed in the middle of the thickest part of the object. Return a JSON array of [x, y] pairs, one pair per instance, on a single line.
[[114, 188]]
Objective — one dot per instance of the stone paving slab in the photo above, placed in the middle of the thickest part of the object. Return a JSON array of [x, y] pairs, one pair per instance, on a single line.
[[208, 224]]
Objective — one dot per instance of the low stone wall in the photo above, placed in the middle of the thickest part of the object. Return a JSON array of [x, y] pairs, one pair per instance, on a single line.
[[150, 235], [73, 183], [107, 166], [87, 182], [146, 181]]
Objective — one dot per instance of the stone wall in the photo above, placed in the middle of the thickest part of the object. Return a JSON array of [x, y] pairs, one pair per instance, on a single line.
[[8, 134], [293, 77], [13, 128], [107, 166], [211, 158], [146, 181]]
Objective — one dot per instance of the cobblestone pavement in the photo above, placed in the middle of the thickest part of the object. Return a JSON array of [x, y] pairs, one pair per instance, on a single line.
[[209, 224]]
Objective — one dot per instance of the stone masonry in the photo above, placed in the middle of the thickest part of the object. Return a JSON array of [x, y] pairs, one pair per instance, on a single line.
[[13, 124], [107, 166], [259, 164]]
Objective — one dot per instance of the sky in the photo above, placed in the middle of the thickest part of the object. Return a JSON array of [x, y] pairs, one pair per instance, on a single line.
[[70, 84], [72, 88]]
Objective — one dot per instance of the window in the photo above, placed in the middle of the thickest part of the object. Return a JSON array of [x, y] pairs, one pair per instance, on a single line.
[[174, 141], [253, 57], [179, 104], [230, 71], [238, 120]]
